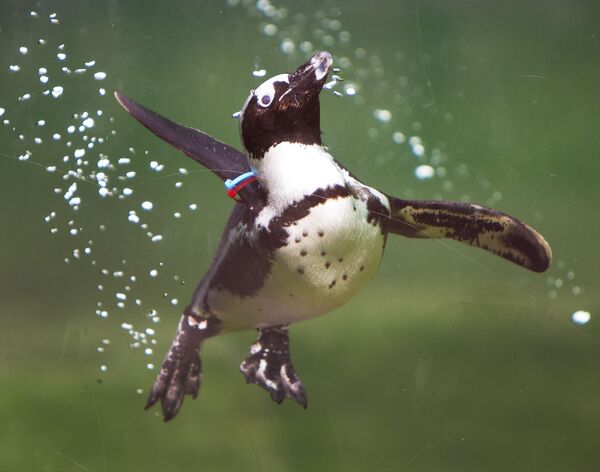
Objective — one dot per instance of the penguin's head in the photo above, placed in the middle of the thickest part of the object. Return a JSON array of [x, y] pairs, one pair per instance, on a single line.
[[285, 108]]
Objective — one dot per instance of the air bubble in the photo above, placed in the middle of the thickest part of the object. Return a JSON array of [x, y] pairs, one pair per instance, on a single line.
[[398, 137], [75, 201], [306, 46], [384, 116], [350, 90], [133, 218], [581, 317], [424, 172], [100, 75], [57, 91], [287, 46], [147, 205], [270, 29]]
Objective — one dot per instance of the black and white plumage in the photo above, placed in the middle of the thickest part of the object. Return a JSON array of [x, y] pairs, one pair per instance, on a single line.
[[305, 238]]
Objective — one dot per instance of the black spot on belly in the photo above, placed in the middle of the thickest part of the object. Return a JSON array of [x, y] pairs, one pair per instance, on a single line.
[[303, 252], [305, 233], [362, 268], [323, 253], [297, 239], [341, 259], [321, 233], [327, 265], [345, 276], [300, 270], [332, 284]]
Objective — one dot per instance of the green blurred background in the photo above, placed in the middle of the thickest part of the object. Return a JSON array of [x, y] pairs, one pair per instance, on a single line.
[[451, 360]]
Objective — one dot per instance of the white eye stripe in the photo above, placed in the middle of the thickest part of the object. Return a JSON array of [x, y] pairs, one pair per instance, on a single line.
[[266, 91]]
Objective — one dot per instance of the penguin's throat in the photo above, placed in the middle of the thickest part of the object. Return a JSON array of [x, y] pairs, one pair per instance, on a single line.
[[291, 171]]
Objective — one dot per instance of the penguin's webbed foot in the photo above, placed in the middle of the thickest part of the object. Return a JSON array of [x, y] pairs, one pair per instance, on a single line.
[[269, 366], [181, 371]]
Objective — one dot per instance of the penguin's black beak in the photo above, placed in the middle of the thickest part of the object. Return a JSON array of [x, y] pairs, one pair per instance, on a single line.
[[310, 76]]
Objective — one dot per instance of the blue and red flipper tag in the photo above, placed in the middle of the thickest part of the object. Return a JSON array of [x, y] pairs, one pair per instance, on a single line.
[[237, 184]]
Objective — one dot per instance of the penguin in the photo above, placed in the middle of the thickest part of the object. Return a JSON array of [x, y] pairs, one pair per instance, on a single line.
[[304, 237]]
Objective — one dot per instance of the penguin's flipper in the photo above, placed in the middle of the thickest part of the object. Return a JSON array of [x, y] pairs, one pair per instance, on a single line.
[[478, 226], [225, 161]]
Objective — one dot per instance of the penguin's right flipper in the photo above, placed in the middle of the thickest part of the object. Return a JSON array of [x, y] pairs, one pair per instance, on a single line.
[[225, 161], [476, 225]]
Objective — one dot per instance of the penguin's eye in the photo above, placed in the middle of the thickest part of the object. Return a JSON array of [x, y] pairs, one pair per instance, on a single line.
[[266, 99]]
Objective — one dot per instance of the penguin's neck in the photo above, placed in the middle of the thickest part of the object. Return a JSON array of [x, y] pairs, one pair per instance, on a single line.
[[291, 171]]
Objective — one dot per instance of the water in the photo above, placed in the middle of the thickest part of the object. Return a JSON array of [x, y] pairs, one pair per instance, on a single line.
[[451, 360]]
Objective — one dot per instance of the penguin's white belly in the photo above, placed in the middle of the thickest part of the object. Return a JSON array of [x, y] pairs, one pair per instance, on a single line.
[[330, 254]]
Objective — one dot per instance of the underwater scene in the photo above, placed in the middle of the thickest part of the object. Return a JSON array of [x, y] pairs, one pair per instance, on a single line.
[[450, 359]]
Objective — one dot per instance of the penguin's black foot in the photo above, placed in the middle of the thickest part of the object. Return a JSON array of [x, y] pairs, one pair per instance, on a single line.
[[269, 366], [181, 372]]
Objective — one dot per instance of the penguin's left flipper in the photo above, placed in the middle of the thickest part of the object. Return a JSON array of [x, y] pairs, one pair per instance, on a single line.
[[478, 226], [225, 161], [269, 366]]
